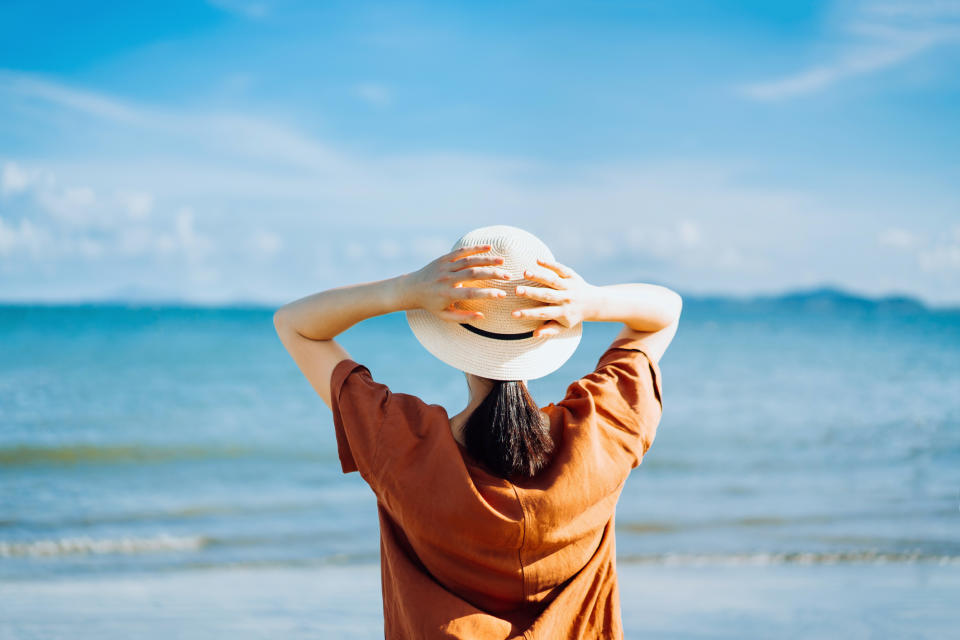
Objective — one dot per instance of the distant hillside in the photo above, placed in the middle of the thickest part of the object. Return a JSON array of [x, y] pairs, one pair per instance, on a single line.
[[817, 300]]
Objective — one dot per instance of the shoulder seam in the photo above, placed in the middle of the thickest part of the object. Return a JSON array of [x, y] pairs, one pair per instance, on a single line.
[[376, 451], [653, 372]]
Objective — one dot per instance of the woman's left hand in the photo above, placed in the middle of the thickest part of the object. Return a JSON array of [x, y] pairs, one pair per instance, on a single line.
[[438, 286]]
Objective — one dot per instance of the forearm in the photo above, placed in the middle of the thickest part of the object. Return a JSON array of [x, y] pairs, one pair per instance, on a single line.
[[324, 315], [642, 307]]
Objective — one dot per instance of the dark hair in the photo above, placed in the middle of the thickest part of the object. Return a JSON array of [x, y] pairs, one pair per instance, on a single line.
[[506, 432]]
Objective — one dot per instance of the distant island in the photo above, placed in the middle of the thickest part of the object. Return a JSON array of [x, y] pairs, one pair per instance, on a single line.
[[824, 299], [816, 300]]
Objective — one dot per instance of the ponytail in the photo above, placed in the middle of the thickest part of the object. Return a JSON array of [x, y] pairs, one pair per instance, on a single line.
[[506, 432]]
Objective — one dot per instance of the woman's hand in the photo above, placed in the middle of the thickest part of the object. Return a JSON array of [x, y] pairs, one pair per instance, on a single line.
[[438, 286], [569, 297]]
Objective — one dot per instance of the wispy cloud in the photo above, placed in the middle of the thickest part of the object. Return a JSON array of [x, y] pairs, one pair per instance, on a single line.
[[874, 36], [246, 8], [213, 206], [48, 220], [29, 86], [374, 94], [239, 133], [938, 255]]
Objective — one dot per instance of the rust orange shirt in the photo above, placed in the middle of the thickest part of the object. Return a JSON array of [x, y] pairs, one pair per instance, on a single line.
[[466, 554]]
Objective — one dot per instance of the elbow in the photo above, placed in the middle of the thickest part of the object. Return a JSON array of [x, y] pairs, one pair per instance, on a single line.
[[671, 310], [286, 326], [280, 320], [677, 307], [671, 304]]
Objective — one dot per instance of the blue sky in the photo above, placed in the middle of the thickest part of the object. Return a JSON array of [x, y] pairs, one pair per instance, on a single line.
[[215, 151]]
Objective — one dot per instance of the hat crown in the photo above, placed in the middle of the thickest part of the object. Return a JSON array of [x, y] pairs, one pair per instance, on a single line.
[[484, 353], [520, 250]]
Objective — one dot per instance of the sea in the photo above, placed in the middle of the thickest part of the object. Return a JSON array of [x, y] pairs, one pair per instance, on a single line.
[[815, 433]]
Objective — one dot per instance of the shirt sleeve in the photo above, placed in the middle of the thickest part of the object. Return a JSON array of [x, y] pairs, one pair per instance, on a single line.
[[359, 405], [623, 397], [380, 433]]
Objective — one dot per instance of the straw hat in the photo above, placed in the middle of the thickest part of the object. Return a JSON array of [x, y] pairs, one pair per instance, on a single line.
[[498, 346]]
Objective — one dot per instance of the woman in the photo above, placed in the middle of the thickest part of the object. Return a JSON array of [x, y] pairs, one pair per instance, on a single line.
[[496, 522]]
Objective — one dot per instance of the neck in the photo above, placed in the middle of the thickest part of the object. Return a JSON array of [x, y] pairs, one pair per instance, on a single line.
[[480, 388]]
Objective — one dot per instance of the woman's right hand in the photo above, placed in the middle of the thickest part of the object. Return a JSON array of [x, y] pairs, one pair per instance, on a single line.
[[438, 286], [568, 296]]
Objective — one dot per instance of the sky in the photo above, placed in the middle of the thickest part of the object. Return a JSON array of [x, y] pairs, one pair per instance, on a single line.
[[263, 150]]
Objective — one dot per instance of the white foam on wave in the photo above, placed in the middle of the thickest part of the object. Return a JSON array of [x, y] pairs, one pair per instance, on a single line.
[[799, 558], [84, 545]]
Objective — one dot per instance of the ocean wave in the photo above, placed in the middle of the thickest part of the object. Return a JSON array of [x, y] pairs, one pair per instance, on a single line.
[[84, 545], [192, 512], [755, 522], [28, 455], [762, 558]]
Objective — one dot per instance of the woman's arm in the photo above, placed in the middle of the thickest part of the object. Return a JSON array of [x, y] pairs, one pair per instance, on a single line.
[[650, 312], [642, 307], [325, 315], [307, 326]]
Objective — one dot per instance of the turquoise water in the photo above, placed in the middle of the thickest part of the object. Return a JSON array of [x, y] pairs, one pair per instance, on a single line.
[[164, 439]]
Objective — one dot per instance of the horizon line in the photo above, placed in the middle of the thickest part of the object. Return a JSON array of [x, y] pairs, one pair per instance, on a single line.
[[253, 303]]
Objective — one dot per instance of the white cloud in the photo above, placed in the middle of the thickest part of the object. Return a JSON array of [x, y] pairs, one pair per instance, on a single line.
[[682, 243], [355, 251], [13, 179], [266, 243], [137, 204], [206, 132], [184, 238], [689, 233], [56, 224], [939, 255], [21, 236], [878, 35], [30, 86], [897, 238], [231, 187], [388, 248], [75, 205], [428, 247], [942, 256], [251, 10], [374, 94]]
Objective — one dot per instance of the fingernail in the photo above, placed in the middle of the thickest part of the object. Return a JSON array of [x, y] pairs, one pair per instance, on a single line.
[[516, 314], [520, 289]]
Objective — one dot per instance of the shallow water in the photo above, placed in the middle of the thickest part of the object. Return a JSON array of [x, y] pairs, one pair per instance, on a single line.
[[851, 601], [165, 439]]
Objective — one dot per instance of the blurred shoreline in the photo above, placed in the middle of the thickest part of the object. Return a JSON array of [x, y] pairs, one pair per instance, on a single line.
[[849, 601]]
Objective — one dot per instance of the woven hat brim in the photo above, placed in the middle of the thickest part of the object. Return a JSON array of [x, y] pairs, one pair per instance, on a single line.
[[523, 359]]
